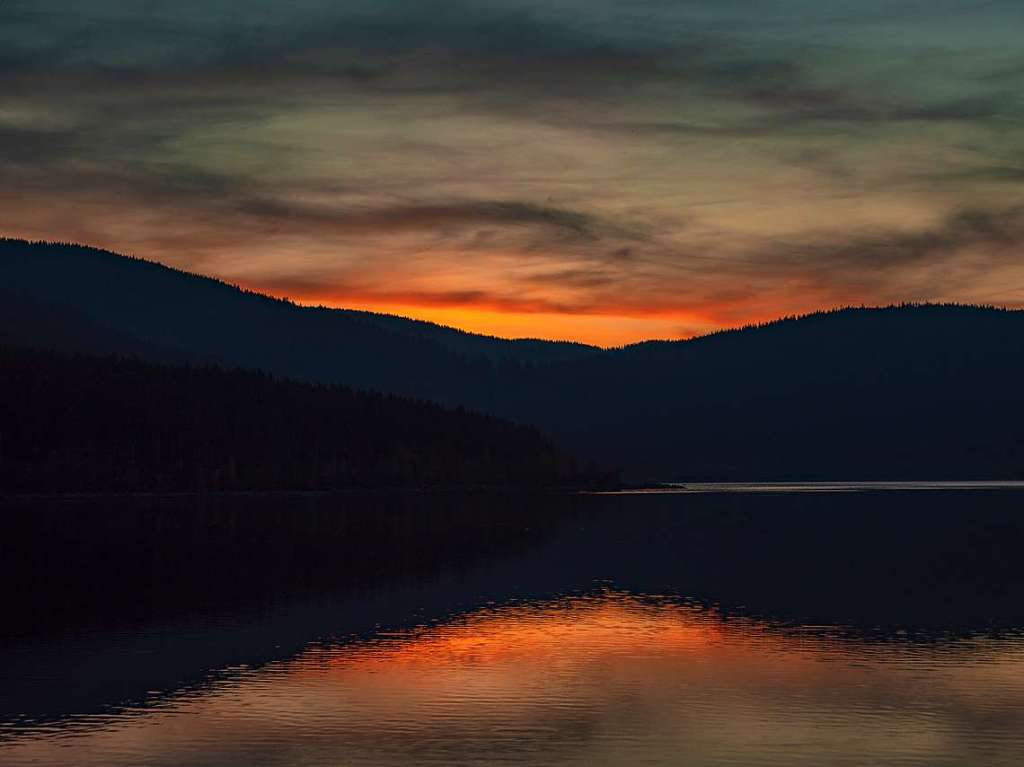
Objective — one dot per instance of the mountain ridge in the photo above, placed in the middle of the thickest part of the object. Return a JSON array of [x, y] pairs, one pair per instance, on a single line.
[[912, 391], [413, 326], [430, 329]]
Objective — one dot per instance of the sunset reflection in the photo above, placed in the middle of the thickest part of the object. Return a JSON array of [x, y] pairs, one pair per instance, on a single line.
[[606, 679]]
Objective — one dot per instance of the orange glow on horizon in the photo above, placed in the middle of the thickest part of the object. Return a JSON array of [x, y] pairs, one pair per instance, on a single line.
[[611, 327], [609, 324], [605, 326], [604, 330]]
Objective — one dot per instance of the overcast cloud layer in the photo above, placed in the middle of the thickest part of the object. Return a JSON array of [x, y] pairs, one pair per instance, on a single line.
[[586, 168]]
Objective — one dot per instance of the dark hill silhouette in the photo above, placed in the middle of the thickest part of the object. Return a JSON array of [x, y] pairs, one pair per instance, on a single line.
[[28, 322], [523, 350], [174, 312], [82, 423], [907, 392]]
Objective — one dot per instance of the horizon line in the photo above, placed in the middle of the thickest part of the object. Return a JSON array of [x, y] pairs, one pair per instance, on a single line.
[[320, 305]]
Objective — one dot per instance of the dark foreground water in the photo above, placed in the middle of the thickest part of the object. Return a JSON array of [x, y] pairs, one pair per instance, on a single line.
[[703, 628]]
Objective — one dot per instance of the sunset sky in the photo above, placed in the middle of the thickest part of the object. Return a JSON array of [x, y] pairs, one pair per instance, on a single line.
[[587, 169]]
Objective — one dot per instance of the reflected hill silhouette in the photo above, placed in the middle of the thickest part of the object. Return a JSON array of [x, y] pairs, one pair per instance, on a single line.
[[166, 594], [907, 392]]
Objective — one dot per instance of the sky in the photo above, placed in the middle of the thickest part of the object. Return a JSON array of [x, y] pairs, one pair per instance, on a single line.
[[584, 169]]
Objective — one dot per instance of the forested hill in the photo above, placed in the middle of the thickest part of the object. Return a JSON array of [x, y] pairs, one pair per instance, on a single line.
[[78, 298], [81, 424], [906, 392]]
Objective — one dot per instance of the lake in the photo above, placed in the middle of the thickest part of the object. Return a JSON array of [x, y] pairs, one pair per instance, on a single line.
[[716, 625]]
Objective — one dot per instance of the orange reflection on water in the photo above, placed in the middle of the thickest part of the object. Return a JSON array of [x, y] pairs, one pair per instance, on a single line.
[[611, 679]]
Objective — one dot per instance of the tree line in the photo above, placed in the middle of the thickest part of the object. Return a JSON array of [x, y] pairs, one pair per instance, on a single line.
[[100, 424]]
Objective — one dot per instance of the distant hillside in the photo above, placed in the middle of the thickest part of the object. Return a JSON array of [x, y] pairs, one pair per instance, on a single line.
[[115, 424], [169, 314], [928, 392], [908, 392]]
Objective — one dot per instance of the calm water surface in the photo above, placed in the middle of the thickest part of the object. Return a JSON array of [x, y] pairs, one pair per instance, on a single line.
[[761, 629]]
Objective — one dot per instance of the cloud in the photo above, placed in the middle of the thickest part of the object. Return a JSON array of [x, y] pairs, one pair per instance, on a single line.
[[440, 216], [954, 259], [977, 237]]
